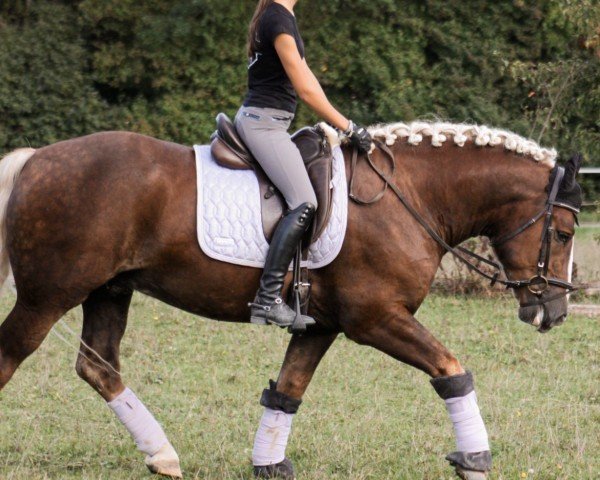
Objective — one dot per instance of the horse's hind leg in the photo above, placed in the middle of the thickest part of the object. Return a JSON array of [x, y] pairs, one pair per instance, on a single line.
[[400, 335], [104, 322], [21, 334], [281, 402]]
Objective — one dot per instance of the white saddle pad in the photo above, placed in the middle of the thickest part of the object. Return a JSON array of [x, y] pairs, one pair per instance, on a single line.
[[229, 217]]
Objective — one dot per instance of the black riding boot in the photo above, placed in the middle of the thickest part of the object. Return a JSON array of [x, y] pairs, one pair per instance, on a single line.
[[268, 306]]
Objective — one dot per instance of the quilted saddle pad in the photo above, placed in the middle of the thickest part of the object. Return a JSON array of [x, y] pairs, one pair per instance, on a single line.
[[229, 218]]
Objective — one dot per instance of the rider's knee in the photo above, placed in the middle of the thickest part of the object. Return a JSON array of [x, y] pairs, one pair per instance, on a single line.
[[310, 198]]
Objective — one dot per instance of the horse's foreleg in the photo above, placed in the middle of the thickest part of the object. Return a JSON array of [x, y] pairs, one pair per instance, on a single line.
[[104, 322], [281, 402], [400, 335]]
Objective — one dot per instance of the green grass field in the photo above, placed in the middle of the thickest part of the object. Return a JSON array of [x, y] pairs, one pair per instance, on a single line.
[[365, 416]]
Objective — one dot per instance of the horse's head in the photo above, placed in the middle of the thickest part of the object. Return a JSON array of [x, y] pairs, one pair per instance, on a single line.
[[537, 253]]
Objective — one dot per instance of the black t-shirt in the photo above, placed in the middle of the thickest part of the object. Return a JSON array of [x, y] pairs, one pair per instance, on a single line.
[[268, 84]]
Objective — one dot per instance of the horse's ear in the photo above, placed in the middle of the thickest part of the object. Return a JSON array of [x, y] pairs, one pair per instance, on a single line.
[[572, 169]]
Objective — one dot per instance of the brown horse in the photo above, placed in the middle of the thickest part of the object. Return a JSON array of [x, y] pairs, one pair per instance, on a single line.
[[89, 220]]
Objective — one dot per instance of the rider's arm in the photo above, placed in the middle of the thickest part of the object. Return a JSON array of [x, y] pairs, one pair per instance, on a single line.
[[305, 83]]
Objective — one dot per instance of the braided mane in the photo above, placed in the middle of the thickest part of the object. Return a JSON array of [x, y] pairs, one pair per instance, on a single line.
[[459, 133]]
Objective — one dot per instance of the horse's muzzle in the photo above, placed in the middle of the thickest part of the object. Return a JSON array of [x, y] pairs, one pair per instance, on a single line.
[[545, 316]]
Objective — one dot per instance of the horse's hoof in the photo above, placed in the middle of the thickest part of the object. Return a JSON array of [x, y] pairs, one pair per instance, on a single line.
[[283, 470], [165, 462], [471, 465], [470, 474]]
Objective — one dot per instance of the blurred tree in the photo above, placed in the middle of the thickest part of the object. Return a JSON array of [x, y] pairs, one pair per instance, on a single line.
[[46, 93], [174, 64], [166, 67], [563, 102], [15, 10]]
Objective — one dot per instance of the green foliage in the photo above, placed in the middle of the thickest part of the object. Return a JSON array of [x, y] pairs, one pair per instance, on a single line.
[[46, 93], [166, 67], [564, 89]]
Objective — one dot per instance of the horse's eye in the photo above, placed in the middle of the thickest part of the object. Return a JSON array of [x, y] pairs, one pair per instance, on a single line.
[[563, 237]]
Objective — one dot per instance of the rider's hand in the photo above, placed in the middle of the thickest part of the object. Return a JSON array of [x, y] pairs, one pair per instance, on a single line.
[[359, 136]]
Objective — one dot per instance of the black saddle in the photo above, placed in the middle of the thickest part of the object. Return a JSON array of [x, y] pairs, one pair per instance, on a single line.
[[229, 151]]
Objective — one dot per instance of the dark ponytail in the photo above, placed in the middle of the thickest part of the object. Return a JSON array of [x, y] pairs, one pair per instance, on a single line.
[[260, 8]]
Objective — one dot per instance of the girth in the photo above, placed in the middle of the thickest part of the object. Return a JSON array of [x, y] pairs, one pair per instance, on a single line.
[[229, 151]]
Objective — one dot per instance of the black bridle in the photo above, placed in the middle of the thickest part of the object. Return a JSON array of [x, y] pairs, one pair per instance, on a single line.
[[537, 284]]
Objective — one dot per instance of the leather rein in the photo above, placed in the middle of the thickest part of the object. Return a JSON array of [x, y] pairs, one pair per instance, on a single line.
[[537, 284]]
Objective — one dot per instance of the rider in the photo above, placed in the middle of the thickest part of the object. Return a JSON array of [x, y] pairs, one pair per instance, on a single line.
[[277, 70]]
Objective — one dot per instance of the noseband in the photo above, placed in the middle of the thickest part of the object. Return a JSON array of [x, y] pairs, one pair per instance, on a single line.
[[537, 284]]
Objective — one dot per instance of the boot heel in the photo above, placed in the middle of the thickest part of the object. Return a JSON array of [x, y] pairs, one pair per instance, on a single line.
[[258, 313], [258, 320]]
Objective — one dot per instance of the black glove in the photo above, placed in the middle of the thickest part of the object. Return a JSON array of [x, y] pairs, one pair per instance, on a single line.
[[359, 136]]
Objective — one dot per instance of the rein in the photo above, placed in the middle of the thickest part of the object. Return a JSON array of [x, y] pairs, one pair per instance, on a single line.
[[537, 284]]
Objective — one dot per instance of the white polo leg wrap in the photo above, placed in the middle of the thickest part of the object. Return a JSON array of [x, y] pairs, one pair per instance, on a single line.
[[272, 437], [471, 435], [143, 427]]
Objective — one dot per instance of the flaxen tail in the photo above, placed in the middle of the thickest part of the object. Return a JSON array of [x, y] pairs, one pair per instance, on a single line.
[[10, 168]]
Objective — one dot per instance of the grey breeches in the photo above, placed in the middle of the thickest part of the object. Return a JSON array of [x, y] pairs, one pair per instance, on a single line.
[[264, 131]]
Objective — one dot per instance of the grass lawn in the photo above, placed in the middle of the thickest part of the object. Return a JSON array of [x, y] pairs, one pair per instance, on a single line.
[[365, 416]]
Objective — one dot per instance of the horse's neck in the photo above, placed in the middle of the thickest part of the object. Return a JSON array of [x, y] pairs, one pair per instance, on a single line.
[[476, 192]]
